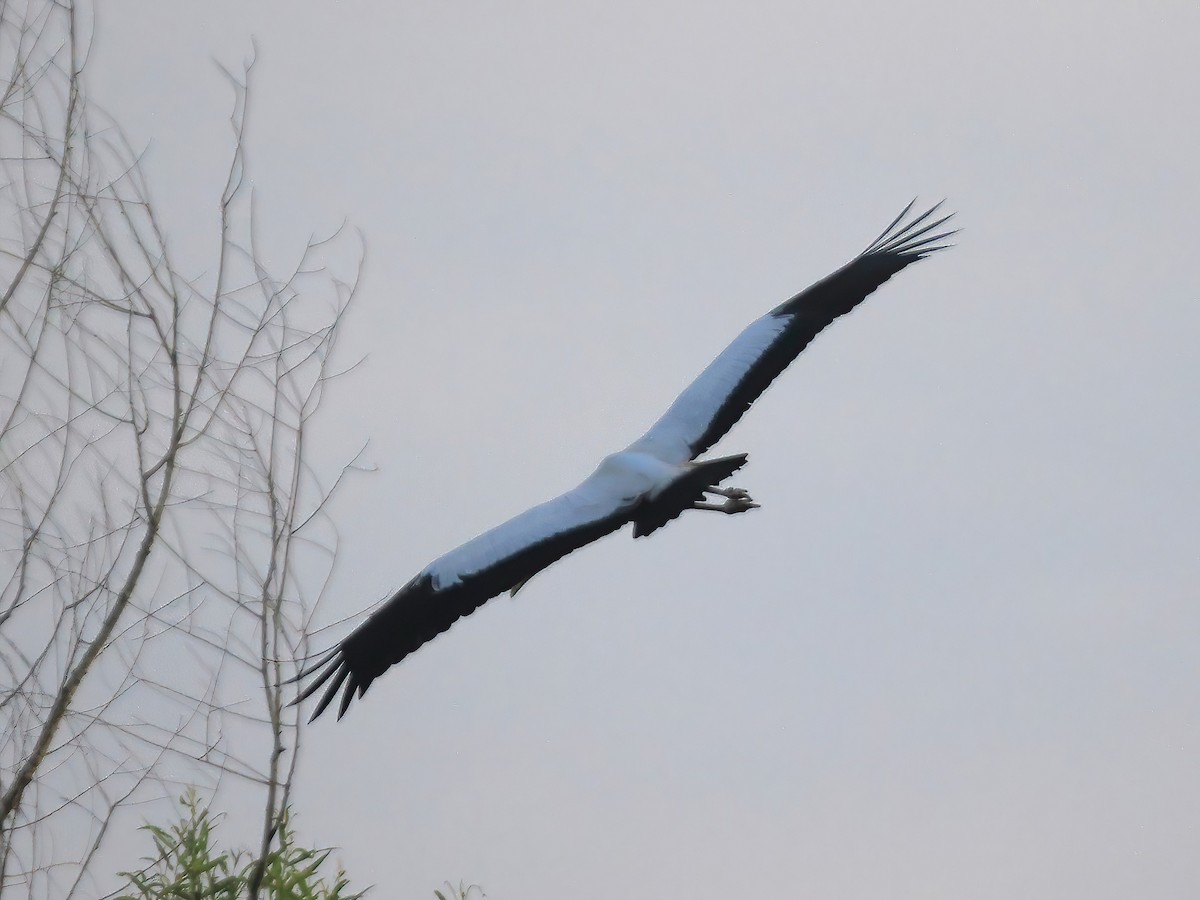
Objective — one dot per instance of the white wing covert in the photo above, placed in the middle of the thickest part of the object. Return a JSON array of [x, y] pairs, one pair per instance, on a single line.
[[672, 437]]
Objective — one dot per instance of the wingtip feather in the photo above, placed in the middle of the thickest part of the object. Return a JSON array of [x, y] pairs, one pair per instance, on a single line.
[[339, 673], [912, 238]]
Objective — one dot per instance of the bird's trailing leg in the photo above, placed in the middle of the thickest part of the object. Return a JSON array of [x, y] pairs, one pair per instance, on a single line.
[[731, 493], [737, 500]]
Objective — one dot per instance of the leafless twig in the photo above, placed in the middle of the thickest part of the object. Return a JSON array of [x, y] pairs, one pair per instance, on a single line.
[[155, 490]]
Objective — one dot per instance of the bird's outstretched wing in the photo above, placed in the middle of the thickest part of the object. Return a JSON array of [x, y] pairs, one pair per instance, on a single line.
[[461, 581], [720, 396]]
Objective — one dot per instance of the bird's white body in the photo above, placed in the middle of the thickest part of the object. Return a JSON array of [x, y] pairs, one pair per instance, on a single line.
[[620, 481]]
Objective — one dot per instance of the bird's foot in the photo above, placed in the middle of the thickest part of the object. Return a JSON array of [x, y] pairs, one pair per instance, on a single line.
[[734, 493], [731, 506], [738, 504]]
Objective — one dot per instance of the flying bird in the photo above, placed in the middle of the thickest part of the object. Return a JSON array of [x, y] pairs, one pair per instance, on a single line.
[[652, 481]]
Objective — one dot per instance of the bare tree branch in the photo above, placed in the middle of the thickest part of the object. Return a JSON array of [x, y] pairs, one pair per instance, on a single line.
[[158, 511]]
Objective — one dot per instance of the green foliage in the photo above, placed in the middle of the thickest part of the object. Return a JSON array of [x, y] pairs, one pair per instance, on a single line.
[[188, 866], [463, 892]]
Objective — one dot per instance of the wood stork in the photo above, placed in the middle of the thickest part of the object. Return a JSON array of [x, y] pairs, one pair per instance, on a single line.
[[649, 483]]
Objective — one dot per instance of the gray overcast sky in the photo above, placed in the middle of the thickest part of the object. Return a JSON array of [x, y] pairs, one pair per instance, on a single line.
[[955, 654]]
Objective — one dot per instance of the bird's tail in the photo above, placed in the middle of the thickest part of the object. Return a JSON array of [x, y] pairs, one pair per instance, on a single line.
[[683, 492]]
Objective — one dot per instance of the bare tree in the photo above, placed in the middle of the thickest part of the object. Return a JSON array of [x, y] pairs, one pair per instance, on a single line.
[[162, 536]]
